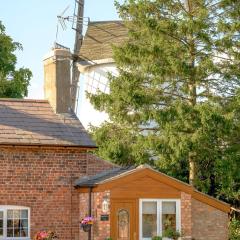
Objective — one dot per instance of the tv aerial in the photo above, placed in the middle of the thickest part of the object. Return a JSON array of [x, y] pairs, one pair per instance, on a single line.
[[78, 21]]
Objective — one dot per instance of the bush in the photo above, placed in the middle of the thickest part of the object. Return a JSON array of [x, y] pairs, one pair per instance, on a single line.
[[171, 233], [157, 238], [234, 229]]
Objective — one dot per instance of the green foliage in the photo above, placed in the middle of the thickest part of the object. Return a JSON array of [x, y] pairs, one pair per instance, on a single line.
[[234, 229], [157, 238], [171, 233], [175, 99], [13, 82]]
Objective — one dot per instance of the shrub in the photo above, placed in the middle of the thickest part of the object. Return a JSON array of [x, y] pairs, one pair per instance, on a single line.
[[171, 233], [157, 238], [234, 229]]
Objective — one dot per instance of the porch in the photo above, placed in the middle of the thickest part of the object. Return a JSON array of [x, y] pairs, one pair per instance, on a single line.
[[140, 203]]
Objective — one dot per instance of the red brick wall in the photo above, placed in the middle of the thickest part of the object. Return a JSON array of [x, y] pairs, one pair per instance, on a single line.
[[186, 215], [200, 221], [101, 229], [208, 222], [42, 179]]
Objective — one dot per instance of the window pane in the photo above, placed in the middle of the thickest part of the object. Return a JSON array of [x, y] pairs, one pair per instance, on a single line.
[[149, 219], [24, 223], [24, 232], [10, 223], [123, 225], [16, 223], [24, 214], [10, 232], [16, 232], [1, 232], [16, 214], [168, 215], [10, 214]]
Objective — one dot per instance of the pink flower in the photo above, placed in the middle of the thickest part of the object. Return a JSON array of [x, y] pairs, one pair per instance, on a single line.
[[87, 220], [43, 234]]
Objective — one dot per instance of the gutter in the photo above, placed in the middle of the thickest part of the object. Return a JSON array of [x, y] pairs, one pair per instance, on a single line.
[[90, 210], [47, 145]]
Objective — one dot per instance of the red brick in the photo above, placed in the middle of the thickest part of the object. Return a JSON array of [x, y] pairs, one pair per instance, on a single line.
[[42, 178]]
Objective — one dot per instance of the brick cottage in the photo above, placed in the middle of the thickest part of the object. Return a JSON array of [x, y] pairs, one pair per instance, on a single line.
[[41, 155], [50, 180]]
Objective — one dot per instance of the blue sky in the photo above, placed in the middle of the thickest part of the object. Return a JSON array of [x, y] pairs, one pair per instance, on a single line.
[[33, 24]]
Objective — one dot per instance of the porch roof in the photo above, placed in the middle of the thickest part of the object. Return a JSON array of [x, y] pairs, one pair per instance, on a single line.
[[120, 175], [90, 181]]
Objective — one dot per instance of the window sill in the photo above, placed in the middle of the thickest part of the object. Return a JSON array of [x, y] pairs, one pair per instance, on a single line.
[[15, 238]]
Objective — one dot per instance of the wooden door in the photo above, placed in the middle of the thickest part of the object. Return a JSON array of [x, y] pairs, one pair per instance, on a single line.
[[123, 220]]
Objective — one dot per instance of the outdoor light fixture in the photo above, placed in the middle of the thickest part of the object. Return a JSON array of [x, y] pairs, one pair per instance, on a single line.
[[105, 205]]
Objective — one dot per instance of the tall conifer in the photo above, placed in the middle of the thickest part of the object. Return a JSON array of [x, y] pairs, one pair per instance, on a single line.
[[178, 71]]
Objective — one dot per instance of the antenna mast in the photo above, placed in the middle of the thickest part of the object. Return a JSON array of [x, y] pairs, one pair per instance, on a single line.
[[78, 27]]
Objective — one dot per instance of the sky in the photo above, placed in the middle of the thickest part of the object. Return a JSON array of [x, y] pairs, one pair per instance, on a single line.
[[33, 24]]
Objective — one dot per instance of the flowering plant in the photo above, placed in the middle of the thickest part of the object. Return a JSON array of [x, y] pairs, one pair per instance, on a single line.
[[87, 221], [43, 235]]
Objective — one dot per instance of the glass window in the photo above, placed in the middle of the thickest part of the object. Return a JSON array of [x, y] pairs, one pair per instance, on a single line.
[[1, 223], [17, 223], [14, 222], [158, 215], [168, 216], [123, 225], [149, 219]]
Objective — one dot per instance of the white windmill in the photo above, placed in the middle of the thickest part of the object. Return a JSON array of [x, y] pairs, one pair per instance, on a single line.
[[92, 58]]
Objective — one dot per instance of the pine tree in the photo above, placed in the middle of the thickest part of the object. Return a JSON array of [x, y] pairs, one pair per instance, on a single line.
[[169, 105]]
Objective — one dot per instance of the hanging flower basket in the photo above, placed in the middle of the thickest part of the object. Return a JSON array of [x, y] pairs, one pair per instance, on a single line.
[[86, 227], [86, 224]]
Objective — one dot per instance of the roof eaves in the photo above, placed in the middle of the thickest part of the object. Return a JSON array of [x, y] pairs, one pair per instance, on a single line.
[[23, 100], [48, 145], [119, 175], [100, 177], [211, 198], [105, 22]]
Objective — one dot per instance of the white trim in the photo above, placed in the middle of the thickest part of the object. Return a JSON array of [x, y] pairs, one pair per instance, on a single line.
[[159, 215], [4, 208], [84, 65]]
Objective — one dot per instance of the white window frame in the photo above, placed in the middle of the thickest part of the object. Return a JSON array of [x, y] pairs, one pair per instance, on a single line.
[[4, 209], [159, 215]]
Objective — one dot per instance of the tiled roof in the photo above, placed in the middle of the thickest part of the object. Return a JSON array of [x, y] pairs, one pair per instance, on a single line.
[[33, 122], [89, 181], [100, 36]]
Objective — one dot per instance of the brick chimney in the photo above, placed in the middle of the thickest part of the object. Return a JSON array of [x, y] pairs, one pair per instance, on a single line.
[[57, 79]]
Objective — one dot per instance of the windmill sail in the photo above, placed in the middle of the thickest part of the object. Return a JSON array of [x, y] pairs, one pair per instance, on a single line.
[[78, 15]]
